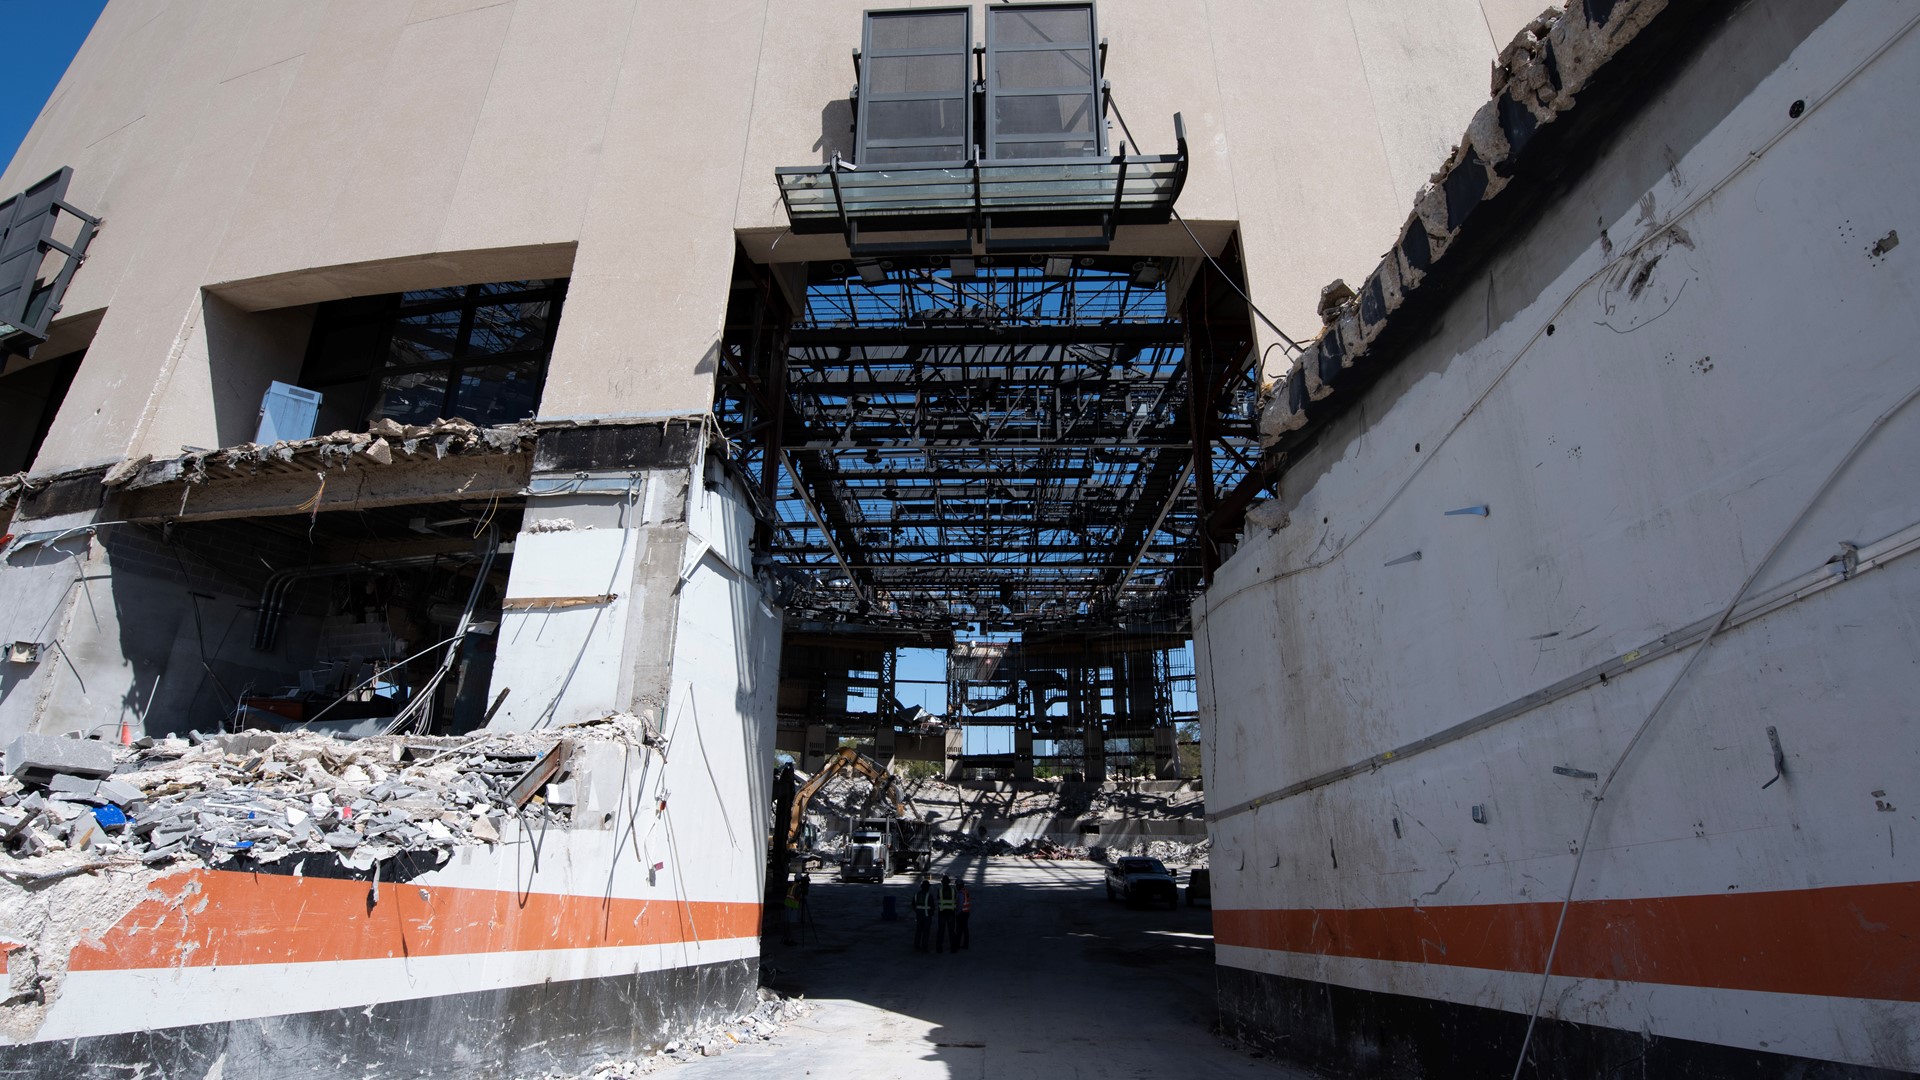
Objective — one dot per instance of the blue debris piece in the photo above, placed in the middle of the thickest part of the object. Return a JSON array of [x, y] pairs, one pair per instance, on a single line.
[[110, 817]]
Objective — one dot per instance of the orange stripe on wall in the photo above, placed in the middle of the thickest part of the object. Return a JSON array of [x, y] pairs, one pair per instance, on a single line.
[[209, 917], [1848, 941]]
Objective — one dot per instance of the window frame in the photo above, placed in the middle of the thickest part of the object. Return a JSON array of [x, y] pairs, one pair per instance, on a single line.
[[868, 97], [995, 140], [386, 317]]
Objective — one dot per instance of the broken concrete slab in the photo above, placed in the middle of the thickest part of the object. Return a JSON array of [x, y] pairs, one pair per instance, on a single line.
[[37, 758]]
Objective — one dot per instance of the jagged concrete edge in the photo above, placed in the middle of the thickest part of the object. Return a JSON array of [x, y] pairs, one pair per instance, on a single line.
[[1537, 80]]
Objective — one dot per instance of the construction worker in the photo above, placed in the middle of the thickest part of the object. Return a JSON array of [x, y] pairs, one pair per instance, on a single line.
[[962, 937], [922, 914], [946, 901], [791, 918]]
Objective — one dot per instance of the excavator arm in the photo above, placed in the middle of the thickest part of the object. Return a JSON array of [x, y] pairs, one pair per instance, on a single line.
[[846, 758]]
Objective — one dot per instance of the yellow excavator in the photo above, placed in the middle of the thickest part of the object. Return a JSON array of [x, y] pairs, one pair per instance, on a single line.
[[897, 843]]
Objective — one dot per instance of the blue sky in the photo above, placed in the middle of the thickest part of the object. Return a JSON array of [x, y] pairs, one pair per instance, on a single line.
[[45, 34]]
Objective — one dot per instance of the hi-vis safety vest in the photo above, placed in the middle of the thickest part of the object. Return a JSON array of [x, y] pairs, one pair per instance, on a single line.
[[966, 899], [946, 898], [923, 901]]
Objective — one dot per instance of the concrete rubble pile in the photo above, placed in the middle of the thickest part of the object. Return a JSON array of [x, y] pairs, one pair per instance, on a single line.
[[1033, 847], [380, 444], [1170, 852], [252, 798], [766, 1021]]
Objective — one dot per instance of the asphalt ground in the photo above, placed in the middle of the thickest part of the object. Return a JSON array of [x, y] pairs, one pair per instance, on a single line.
[[1059, 982]]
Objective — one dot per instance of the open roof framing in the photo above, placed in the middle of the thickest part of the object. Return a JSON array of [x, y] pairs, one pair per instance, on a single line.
[[1005, 441]]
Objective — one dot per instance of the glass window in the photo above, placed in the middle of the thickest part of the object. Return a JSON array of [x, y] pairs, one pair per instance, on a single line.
[[414, 397], [341, 353], [498, 393], [424, 339], [916, 30], [1043, 69], [916, 96], [478, 352], [944, 120], [1043, 82], [891, 155], [1035, 26], [427, 296], [508, 328], [1049, 114], [505, 288], [917, 74]]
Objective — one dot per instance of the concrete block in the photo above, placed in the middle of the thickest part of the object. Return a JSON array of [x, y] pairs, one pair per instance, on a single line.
[[67, 786], [85, 833], [599, 770], [12, 821], [243, 743], [35, 759]]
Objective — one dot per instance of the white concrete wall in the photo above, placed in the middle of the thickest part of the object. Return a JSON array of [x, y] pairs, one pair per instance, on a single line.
[[689, 640], [1644, 420], [280, 153], [568, 663]]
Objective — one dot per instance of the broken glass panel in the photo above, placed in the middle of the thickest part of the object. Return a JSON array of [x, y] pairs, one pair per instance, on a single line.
[[498, 393], [426, 338], [508, 328], [415, 397]]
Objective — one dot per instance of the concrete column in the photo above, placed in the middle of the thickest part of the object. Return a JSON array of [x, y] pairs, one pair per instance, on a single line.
[[1094, 754], [816, 756], [631, 589], [956, 743], [1022, 753], [1166, 752]]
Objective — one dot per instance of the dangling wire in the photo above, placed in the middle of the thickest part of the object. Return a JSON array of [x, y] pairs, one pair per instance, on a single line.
[[1284, 336]]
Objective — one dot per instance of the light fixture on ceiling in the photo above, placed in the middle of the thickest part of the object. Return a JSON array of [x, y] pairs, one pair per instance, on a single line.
[[871, 271], [1147, 275], [961, 267], [1059, 266]]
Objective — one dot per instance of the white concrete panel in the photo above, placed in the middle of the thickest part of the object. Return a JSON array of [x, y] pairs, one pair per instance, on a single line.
[[1642, 432], [726, 673], [564, 664], [1757, 1021], [178, 997]]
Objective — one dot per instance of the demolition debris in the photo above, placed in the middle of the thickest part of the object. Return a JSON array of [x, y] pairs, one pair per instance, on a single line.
[[762, 1024], [69, 806]]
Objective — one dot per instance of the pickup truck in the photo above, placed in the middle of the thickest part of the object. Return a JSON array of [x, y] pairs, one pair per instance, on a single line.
[[1139, 880]]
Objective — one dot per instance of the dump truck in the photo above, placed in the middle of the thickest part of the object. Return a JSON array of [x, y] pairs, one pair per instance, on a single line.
[[894, 844]]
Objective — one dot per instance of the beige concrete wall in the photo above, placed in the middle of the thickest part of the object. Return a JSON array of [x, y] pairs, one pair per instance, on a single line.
[[281, 152], [1310, 123]]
